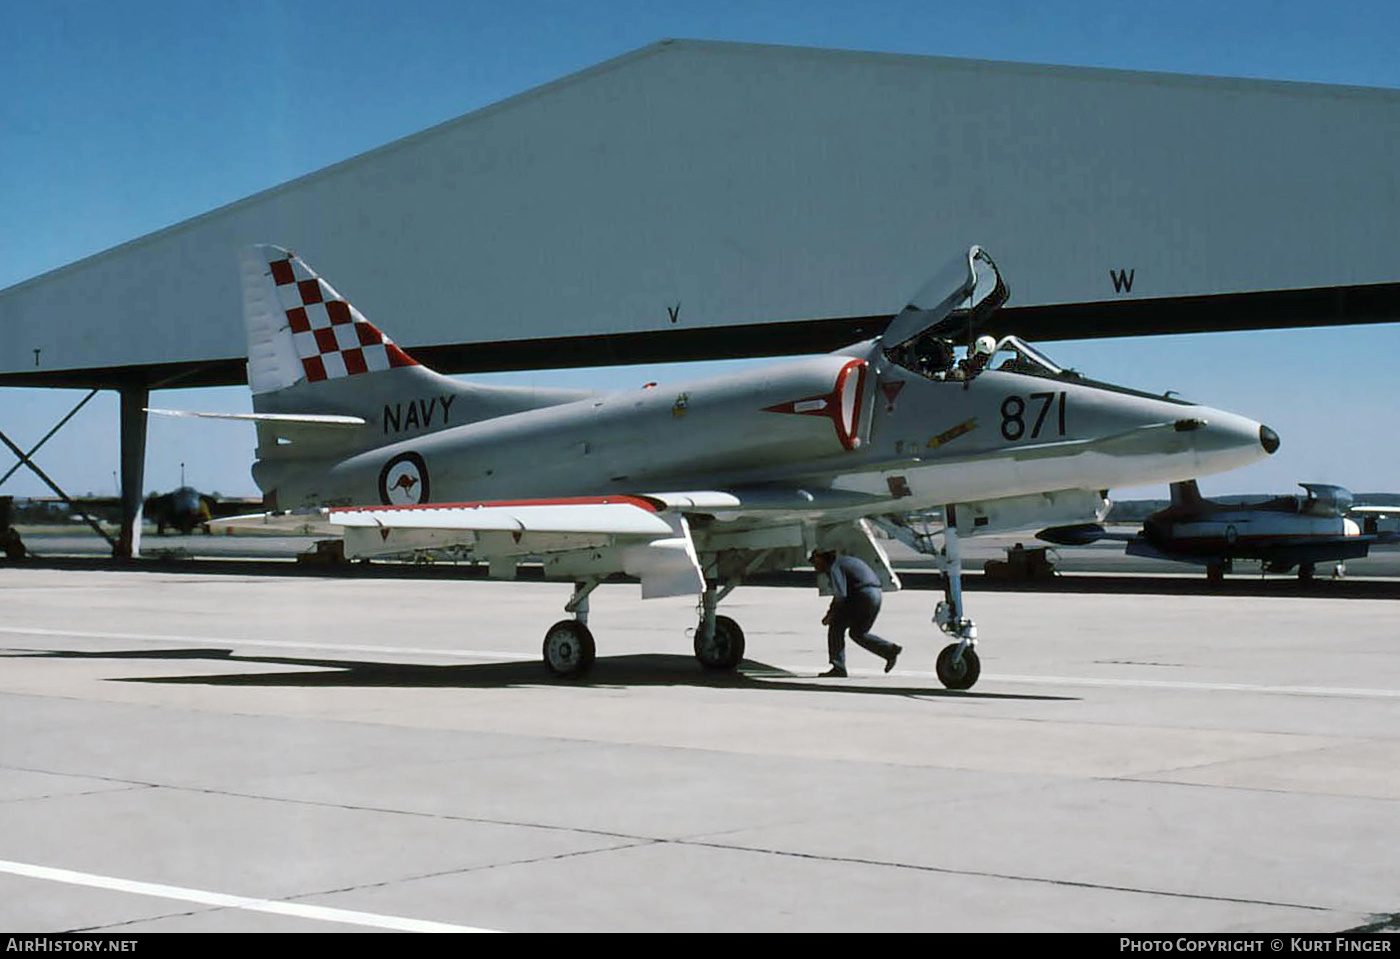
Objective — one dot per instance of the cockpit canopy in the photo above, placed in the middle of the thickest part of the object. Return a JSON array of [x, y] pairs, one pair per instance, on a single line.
[[1324, 500], [957, 300], [935, 358], [946, 315], [951, 308]]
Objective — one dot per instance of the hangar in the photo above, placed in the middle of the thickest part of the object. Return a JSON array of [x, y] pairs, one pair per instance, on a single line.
[[701, 199]]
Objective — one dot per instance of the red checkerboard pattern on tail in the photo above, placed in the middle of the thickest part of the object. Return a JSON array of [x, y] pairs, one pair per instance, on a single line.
[[332, 338]]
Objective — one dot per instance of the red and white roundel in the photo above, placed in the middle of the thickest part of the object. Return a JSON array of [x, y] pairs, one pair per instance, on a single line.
[[404, 481], [841, 405]]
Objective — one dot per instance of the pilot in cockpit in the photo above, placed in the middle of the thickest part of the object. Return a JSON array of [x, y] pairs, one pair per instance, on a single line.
[[976, 360], [933, 356]]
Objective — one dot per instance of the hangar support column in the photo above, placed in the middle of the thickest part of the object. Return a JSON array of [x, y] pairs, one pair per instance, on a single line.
[[135, 398]]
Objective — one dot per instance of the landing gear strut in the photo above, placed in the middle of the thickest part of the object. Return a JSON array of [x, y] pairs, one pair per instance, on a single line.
[[958, 663], [719, 642]]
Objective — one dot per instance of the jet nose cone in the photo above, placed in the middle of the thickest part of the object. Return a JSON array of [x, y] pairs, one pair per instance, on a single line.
[[1268, 439]]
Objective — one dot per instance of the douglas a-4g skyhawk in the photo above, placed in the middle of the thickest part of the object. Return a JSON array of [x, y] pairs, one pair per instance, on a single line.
[[694, 487]]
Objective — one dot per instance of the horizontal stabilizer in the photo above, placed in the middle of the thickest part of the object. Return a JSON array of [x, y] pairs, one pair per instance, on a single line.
[[310, 419]]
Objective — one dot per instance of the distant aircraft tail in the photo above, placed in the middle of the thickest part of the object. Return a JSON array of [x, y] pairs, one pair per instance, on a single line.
[[1186, 495], [327, 383]]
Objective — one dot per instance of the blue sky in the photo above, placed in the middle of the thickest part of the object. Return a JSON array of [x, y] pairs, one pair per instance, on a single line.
[[117, 119]]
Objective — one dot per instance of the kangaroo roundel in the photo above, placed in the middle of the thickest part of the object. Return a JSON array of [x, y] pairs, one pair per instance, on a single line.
[[404, 481]]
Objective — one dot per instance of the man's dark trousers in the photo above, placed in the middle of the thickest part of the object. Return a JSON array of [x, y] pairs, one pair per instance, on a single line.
[[856, 613]]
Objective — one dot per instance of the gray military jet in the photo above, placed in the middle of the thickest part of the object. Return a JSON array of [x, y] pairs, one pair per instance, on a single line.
[[692, 488], [1281, 533]]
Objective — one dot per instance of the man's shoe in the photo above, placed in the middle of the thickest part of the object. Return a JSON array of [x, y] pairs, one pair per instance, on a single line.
[[836, 671], [889, 660]]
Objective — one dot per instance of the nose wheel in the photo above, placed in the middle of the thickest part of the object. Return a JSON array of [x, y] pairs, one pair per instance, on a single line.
[[958, 666]]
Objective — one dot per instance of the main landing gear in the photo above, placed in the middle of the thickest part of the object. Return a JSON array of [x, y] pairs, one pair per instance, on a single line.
[[719, 642], [958, 664], [569, 649]]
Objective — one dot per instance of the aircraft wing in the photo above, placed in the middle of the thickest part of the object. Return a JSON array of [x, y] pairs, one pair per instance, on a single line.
[[610, 516], [613, 516], [577, 538], [223, 508], [648, 536], [292, 522]]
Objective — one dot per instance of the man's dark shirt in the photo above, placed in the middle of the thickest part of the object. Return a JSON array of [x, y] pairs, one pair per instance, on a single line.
[[849, 575]]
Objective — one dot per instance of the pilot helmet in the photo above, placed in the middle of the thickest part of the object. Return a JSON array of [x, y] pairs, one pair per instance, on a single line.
[[985, 344]]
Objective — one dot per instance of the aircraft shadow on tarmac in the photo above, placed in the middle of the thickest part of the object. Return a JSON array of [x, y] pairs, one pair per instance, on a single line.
[[1075, 581], [647, 669]]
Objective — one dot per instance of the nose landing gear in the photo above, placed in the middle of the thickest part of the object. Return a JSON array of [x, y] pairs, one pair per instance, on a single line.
[[958, 664]]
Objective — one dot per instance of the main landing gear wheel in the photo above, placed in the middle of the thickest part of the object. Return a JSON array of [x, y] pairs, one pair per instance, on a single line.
[[568, 649], [723, 650], [963, 673]]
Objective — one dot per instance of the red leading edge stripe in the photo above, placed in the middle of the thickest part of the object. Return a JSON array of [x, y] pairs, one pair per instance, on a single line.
[[637, 501]]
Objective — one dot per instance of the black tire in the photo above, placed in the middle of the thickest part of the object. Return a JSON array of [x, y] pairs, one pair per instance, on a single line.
[[1215, 572], [1306, 572], [569, 649], [961, 675], [725, 650]]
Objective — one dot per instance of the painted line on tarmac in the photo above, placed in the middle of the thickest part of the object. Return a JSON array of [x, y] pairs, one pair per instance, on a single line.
[[1339, 691], [1203, 687], [204, 897], [269, 643]]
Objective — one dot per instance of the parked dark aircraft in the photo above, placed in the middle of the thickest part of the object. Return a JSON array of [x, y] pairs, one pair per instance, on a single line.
[[1281, 533], [184, 510], [187, 509]]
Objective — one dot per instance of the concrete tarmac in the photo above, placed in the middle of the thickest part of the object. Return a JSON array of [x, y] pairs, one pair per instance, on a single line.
[[236, 752]]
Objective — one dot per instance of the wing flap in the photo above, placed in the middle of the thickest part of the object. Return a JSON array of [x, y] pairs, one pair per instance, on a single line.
[[621, 516]]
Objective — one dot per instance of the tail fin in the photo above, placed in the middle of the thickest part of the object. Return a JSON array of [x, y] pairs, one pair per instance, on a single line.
[[311, 352], [1186, 495], [301, 330], [316, 363]]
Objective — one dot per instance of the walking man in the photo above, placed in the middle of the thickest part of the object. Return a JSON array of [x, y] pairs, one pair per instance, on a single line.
[[855, 602]]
